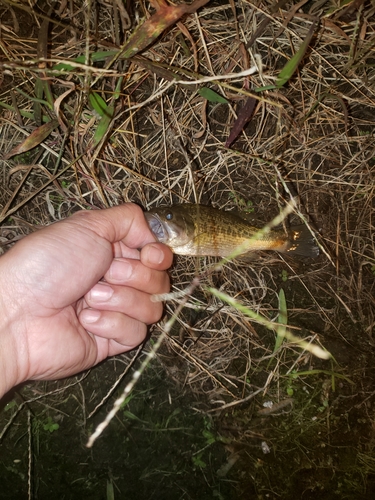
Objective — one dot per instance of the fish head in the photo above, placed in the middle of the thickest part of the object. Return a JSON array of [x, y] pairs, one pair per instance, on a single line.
[[171, 225]]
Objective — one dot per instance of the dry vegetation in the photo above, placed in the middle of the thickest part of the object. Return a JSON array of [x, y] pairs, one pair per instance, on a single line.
[[309, 142]]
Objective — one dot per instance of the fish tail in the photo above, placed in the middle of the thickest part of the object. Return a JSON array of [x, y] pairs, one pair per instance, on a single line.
[[302, 242]]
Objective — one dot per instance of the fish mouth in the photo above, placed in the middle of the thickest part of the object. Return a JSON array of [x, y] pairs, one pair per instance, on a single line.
[[157, 227]]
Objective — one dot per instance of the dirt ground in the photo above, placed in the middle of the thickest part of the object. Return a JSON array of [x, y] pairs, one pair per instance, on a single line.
[[228, 408]]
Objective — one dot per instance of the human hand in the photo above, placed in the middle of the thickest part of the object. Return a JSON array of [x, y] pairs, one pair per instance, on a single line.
[[57, 315]]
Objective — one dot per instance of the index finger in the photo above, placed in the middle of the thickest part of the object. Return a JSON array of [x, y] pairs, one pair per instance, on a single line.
[[124, 223]]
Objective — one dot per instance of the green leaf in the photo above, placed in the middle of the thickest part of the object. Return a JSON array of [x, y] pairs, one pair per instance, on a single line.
[[50, 425], [282, 320], [289, 391], [266, 87], [117, 92], [211, 95], [110, 490], [22, 112], [98, 104], [210, 438], [295, 375], [95, 57], [34, 99], [103, 125], [284, 275], [198, 462], [10, 405], [293, 63]]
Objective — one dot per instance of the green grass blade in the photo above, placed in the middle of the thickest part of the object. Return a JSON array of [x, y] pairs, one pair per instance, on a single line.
[[321, 372], [266, 87], [211, 95], [262, 320], [26, 114], [95, 57], [282, 320], [117, 92], [103, 125], [34, 99], [98, 104], [291, 66]]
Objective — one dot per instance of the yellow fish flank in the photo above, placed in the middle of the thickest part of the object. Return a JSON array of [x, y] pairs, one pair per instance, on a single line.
[[190, 229]]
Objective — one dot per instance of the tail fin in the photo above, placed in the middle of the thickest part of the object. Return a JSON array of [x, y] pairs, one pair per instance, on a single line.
[[302, 242]]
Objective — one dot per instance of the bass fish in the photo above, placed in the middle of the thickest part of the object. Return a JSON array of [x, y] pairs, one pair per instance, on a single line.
[[201, 230]]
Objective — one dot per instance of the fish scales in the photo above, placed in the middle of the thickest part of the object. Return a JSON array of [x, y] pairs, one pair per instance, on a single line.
[[221, 233], [201, 230]]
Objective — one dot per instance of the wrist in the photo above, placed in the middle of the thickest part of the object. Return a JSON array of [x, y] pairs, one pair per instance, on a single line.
[[8, 358], [9, 355]]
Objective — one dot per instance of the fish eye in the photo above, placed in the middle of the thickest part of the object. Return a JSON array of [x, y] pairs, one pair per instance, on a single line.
[[169, 216]]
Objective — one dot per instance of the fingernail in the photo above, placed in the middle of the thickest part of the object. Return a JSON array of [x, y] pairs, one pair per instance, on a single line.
[[120, 270], [155, 255], [101, 292], [90, 315]]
